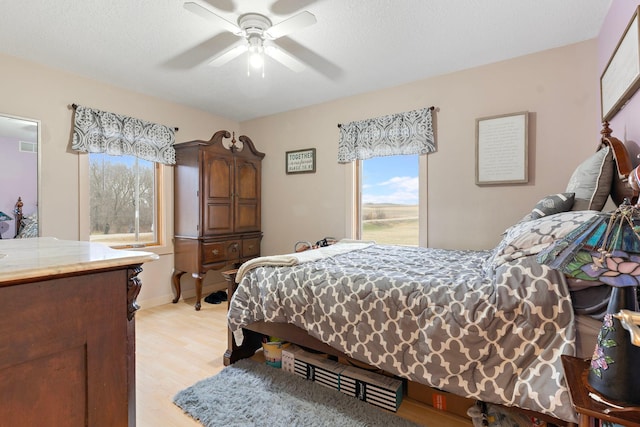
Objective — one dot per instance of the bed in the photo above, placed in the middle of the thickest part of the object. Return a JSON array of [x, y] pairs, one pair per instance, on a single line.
[[488, 325]]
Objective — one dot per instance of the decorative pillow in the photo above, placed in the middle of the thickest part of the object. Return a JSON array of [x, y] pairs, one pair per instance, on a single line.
[[28, 227], [529, 238], [553, 204], [591, 181]]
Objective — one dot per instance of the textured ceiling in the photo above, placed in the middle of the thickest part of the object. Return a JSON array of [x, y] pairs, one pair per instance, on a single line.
[[158, 47]]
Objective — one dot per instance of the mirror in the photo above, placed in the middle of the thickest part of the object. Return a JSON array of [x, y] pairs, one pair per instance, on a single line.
[[19, 147]]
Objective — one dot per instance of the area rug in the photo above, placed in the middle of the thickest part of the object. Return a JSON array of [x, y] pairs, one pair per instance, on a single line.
[[249, 393]]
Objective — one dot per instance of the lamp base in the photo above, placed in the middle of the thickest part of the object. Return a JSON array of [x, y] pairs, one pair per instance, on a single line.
[[615, 372]]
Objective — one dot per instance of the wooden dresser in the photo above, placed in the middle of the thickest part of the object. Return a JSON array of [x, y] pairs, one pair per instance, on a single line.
[[67, 354], [217, 199]]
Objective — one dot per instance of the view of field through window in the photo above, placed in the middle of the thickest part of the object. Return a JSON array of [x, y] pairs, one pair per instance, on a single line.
[[122, 194], [390, 200]]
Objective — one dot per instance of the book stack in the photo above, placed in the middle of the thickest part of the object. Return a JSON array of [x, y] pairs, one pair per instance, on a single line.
[[376, 389], [380, 390]]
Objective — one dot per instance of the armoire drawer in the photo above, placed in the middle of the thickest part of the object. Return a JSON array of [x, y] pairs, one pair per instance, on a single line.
[[251, 247], [228, 250]]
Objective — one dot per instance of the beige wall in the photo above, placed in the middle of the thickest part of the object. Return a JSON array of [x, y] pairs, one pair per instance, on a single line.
[[559, 87]]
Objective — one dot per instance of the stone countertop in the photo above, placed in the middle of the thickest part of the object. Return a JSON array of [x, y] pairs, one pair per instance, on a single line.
[[39, 257]]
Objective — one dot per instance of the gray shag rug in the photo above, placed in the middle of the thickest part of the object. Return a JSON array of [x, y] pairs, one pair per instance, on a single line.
[[249, 393]]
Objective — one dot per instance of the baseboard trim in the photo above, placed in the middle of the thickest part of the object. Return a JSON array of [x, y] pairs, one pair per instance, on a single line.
[[185, 294]]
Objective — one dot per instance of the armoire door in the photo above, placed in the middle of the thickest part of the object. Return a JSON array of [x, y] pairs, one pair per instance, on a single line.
[[218, 206], [247, 195]]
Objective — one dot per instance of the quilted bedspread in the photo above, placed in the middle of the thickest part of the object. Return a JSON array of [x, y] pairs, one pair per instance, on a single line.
[[430, 315]]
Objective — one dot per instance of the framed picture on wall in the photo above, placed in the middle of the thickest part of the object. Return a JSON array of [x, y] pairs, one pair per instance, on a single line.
[[501, 149], [621, 77], [301, 161]]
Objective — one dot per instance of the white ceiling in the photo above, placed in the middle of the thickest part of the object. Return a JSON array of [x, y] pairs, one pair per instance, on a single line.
[[158, 47]]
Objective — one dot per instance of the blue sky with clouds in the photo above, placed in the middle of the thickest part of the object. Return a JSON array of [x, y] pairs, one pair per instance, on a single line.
[[392, 179]]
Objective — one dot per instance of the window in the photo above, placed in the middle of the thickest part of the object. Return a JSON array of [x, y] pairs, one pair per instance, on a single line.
[[389, 202], [123, 200]]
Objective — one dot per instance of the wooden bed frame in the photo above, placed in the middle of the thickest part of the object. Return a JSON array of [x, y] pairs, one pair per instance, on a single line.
[[254, 333], [17, 213], [620, 189]]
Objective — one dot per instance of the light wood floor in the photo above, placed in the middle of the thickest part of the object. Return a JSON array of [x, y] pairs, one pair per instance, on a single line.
[[177, 346]]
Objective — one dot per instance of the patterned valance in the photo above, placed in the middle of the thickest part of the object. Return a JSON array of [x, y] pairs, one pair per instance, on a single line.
[[98, 131], [396, 134]]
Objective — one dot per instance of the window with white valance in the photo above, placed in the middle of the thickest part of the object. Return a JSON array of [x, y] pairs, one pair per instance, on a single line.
[[97, 131], [405, 133]]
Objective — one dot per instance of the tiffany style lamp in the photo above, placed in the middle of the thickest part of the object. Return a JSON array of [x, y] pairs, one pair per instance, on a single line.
[[3, 226], [607, 249]]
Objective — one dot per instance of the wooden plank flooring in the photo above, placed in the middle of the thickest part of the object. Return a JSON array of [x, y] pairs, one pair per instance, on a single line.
[[177, 346]]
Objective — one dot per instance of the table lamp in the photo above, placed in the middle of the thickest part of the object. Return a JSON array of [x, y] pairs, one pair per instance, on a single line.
[[607, 249], [3, 217]]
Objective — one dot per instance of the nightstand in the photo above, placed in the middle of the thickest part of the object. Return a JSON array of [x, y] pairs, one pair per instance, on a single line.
[[575, 372]]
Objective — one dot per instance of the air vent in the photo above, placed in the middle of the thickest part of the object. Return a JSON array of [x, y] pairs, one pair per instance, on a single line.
[[28, 147]]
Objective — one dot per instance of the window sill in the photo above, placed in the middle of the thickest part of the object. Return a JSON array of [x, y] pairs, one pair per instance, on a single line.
[[156, 249]]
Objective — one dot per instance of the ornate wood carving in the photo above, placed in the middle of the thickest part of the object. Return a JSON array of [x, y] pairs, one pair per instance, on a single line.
[[134, 284]]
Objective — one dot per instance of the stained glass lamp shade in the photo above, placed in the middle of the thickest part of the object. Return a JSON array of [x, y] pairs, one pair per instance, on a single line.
[[607, 249], [4, 217]]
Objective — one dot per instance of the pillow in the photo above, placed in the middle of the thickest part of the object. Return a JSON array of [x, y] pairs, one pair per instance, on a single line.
[[591, 181], [529, 238], [553, 204], [28, 227]]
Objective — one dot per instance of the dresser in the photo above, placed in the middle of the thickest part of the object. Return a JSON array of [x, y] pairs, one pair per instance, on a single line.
[[217, 206], [67, 354]]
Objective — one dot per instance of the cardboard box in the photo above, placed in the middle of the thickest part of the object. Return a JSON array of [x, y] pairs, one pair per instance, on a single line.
[[288, 358], [439, 399], [313, 367]]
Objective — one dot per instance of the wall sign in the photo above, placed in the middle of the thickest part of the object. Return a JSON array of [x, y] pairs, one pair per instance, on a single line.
[[501, 149], [301, 161]]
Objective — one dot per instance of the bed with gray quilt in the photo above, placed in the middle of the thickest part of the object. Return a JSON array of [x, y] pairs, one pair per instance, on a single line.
[[489, 325]]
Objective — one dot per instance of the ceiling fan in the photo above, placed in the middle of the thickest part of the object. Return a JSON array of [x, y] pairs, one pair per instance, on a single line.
[[258, 35]]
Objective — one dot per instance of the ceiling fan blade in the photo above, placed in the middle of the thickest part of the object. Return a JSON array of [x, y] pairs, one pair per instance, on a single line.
[[224, 5], [229, 55], [211, 16], [311, 59], [284, 58], [296, 22], [288, 7], [202, 52]]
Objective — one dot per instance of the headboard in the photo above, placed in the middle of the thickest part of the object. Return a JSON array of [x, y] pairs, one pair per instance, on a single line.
[[620, 188], [17, 214]]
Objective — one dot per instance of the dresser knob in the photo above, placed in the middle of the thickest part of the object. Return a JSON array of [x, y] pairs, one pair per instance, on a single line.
[[215, 252], [250, 246]]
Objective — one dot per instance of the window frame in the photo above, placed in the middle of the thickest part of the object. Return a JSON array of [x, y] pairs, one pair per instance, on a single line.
[[353, 178], [164, 215]]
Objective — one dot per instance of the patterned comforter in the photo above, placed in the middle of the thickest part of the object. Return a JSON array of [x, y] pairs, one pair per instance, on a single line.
[[433, 316]]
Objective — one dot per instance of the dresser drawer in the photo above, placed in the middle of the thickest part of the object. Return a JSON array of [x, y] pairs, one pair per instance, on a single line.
[[228, 250], [251, 247]]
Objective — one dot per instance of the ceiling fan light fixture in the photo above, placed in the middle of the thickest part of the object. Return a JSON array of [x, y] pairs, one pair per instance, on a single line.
[[255, 29], [256, 60], [256, 52]]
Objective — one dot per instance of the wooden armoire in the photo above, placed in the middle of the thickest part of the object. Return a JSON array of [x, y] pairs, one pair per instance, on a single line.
[[217, 185]]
